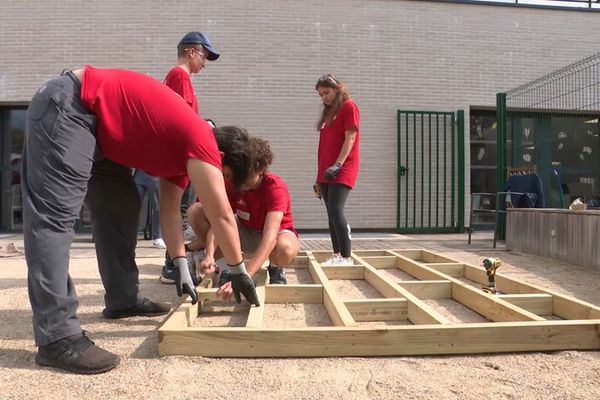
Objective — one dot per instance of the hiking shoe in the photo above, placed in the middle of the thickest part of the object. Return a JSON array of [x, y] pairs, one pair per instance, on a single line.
[[169, 273], [224, 277], [146, 308], [77, 354], [277, 276]]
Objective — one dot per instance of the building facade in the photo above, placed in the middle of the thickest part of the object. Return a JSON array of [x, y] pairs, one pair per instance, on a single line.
[[393, 55]]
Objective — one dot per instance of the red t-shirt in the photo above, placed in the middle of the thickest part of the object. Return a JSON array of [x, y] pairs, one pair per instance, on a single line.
[[143, 124], [331, 141], [252, 206], [179, 80]]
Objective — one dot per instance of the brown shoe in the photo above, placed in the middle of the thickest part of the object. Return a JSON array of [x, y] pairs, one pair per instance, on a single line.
[[77, 354], [146, 308]]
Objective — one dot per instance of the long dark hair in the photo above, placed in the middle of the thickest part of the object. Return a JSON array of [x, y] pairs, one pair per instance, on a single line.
[[329, 81]]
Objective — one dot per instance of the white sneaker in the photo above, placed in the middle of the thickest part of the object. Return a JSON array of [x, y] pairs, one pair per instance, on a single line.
[[345, 261], [333, 260], [159, 243]]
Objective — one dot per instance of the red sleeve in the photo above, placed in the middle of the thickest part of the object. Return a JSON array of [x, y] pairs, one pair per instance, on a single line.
[[350, 115], [179, 82], [181, 180], [277, 199]]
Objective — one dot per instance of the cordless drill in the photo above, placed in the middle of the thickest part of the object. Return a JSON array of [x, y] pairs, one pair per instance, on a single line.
[[491, 265]]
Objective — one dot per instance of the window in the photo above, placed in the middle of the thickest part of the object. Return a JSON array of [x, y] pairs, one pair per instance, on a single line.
[[12, 133]]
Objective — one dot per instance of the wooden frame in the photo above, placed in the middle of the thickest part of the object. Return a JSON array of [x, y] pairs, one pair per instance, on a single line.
[[521, 317]]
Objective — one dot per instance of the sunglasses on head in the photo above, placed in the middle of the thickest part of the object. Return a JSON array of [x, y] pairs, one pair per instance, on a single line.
[[328, 78]]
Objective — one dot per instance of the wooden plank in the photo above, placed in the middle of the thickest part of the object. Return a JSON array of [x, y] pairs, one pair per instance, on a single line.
[[418, 311], [490, 306], [566, 235], [456, 270], [308, 294], [371, 253], [381, 262], [381, 284], [428, 289], [378, 309], [344, 272], [432, 257], [563, 306], [412, 254], [388, 341], [301, 261], [570, 308], [526, 331], [337, 310], [207, 295], [537, 303], [256, 314], [415, 269]]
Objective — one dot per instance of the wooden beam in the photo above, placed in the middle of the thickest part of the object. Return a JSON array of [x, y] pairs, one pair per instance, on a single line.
[[455, 270], [412, 254], [418, 311], [520, 303], [388, 341], [441, 289], [381, 261], [491, 307], [256, 314], [371, 253], [380, 283], [563, 306], [337, 310], [344, 272], [176, 320], [488, 305], [308, 294], [414, 268], [432, 257], [378, 309], [537, 303]]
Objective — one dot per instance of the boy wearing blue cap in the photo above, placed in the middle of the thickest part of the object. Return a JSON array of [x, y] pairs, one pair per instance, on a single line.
[[193, 50]]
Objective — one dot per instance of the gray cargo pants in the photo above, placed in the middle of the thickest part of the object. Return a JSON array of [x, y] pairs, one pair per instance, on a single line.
[[58, 163]]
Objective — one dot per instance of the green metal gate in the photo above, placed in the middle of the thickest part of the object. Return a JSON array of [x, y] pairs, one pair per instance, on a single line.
[[431, 170]]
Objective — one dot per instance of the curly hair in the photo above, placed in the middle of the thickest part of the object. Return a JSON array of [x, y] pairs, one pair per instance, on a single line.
[[261, 153], [233, 141]]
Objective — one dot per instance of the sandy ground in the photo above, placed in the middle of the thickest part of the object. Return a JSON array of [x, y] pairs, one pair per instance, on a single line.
[[142, 374]]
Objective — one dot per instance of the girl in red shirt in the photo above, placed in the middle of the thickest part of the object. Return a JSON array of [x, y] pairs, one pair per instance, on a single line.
[[338, 161]]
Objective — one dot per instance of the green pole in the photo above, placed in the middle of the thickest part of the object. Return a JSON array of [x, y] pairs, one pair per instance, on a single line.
[[461, 170], [500, 140], [501, 117]]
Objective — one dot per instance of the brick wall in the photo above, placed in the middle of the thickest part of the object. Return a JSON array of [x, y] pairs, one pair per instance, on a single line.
[[392, 54]]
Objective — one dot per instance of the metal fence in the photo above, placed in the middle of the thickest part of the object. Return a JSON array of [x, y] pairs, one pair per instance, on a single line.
[[551, 125]]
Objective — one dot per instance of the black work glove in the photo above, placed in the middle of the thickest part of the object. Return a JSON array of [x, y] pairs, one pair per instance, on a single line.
[[242, 283], [183, 279], [331, 172]]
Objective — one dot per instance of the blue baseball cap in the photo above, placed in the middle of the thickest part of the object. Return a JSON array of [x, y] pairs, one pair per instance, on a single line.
[[201, 39]]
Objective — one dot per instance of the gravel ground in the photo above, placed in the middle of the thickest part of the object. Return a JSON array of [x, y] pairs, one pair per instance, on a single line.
[[142, 374]]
